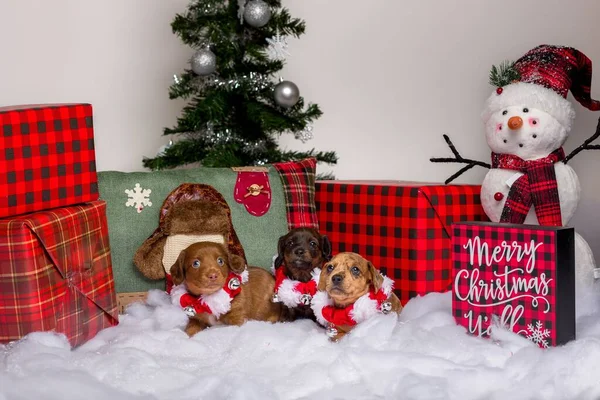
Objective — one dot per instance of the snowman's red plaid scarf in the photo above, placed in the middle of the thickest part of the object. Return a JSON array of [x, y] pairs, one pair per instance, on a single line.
[[536, 187], [298, 179]]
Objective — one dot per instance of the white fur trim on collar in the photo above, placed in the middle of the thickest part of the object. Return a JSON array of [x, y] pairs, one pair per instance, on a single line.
[[364, 308], [219, 302], [319, 301], [387, 286], [288, 294], [316, 274], [534, 96], [245, 275], [176, 293]]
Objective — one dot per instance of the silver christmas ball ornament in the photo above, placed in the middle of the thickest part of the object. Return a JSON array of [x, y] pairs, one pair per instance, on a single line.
[[331, 332], [257, 13], [204, 62], [386, 307], [286, 94], [275, 298], [189, 311]]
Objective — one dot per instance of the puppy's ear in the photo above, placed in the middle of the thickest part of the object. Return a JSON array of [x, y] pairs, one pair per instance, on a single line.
[[177, 270], [326, 248], [322, 285], [236, 263], [280, 252], [376, 277]]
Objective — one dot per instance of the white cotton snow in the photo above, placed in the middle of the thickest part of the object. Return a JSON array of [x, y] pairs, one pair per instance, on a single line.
[[422, 354]]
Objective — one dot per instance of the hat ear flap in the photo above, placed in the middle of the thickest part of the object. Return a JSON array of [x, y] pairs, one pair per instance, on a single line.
[[148, 257]]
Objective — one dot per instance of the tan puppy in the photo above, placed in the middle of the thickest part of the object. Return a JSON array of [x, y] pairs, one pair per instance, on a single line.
[[351, 290], [215, 287]]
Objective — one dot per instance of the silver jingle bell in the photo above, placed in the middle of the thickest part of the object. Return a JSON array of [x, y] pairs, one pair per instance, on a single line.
[[189, 311], [234, 284], [331, 332], [305, 299], [386, 307], [275, 298]]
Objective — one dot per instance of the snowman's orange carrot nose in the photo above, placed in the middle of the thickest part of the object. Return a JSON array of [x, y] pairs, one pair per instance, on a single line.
[[515, 123]]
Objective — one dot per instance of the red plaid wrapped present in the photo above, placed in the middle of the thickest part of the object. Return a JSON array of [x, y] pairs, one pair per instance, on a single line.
[[47, 157], [402, 227], [56, 273]]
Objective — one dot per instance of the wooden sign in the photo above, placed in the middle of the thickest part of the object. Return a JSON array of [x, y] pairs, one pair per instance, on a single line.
[[523, 275]]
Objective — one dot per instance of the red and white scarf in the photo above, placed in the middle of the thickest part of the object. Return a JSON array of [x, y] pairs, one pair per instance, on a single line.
[[217, 304], [369, 304], [293, 293]]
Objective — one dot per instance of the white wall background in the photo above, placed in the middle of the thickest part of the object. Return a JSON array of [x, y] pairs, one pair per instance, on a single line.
[[391, 76]]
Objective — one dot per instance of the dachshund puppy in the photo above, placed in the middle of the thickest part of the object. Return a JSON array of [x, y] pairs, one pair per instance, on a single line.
[[301, 254], [351, 290], [215, 287]]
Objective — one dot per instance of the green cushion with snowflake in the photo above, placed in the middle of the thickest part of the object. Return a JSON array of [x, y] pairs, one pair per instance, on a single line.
[[134, 200]]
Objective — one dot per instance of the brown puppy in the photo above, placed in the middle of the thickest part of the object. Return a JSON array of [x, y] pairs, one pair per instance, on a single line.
[[351, 290], [214, 287], [300, 255]]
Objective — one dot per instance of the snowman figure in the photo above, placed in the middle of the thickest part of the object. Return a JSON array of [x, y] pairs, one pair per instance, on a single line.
[[527, 120]]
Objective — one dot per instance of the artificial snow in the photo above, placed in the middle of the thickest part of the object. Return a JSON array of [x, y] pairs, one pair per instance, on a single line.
[[422, 354]]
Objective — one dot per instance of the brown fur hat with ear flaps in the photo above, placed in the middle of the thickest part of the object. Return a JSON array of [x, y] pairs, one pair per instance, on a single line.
[[189, 211]]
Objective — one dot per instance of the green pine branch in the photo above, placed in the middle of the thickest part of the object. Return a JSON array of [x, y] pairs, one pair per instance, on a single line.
[[504, 74]]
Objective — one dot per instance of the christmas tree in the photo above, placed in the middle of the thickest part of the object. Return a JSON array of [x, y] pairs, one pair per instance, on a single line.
[[236, 106]]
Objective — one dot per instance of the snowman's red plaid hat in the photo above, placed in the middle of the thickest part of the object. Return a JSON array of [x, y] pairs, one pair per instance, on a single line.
[[546, 74]]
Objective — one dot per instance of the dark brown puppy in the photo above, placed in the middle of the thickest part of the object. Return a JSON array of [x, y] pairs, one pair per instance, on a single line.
[[346, 281], [204, 270], [299, 252]]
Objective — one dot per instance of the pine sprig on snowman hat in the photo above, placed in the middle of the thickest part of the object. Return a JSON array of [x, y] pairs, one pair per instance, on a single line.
[[504, 74]]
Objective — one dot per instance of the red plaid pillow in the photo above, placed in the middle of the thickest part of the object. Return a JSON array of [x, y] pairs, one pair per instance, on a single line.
[[298, 179]]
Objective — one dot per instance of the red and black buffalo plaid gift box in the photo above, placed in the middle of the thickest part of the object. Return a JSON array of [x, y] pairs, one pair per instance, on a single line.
[[47, 157], [56, 273], [521, 277], [402, 227]]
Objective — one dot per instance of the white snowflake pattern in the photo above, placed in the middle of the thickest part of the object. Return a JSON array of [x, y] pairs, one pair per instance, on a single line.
[[138, 198], [277, 49], [538, 335]]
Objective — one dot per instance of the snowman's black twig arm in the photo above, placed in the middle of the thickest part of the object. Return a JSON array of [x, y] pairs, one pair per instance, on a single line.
[[457, 159], [586, 145]]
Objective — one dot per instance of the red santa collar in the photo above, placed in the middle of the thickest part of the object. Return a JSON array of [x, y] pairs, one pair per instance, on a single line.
[[217, 304], [293, 293], [369, 304]]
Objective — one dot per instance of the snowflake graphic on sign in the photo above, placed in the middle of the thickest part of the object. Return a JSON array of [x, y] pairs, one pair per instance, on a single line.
[[538, 335], [138, 198]]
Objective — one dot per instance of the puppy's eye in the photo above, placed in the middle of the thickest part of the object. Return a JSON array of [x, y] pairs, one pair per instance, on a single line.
[[313, 243], [355, 271], [220, 261], [289, 243], [329, 268], [196, 264]]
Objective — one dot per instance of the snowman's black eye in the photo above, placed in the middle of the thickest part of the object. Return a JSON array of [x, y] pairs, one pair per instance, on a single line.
[[526, 109], [504, 140], [520, 144], [504, 112], [534, 135]]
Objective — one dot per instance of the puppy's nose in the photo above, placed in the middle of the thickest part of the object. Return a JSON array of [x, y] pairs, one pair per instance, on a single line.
[[213, 276], [337, 279], [299, 251]]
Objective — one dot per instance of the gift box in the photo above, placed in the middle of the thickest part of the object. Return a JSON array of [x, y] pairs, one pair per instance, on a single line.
[[56, 273], [403, 228], [520, 277], [47, 157]]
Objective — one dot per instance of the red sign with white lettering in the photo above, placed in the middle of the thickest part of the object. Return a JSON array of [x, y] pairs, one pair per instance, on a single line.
[[523, 275]]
